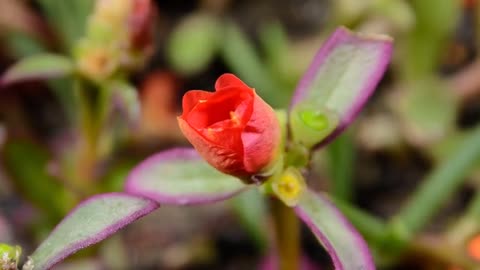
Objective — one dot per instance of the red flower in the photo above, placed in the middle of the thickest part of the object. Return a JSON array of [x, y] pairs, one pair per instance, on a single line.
[[232, 128]]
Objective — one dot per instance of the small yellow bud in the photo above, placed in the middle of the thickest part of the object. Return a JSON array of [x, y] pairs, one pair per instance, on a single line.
[[96, 62], [289, 186], [9, 256]]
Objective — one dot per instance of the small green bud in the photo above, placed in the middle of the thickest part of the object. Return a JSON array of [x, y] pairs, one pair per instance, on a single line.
[[9, 257], [315, 120], [310, 125]]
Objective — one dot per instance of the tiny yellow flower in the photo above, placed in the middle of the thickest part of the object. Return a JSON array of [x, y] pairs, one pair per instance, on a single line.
[[290, 186]]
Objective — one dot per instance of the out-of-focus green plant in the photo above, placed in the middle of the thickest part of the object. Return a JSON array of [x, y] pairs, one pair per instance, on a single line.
[[102, 43]]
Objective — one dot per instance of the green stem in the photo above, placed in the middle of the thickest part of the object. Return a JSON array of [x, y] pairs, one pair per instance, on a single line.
[[287, 235], [92, 116], [341, 160], [438, 186]]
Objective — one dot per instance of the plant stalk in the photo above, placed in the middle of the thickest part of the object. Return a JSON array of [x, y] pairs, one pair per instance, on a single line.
[[92, 114], [341, 155], [287, 235]]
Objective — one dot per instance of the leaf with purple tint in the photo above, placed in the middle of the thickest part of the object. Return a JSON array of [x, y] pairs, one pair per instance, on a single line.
[[346, 247], [90, 222], [342, 76], [40, 66], [125, 102], [181, 177]]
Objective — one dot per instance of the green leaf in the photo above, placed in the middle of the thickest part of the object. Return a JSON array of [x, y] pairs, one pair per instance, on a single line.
[[276, 47], [90, 222], [21, 44], [439, 185], [338, 83], [181, 177], [193, 43], [40, 66], [344, 244], [241, 57], [68, 18]]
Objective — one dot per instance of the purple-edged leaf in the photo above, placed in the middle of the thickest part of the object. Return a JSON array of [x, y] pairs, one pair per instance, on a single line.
[[346, 247], [40, 66], [342, 76], [181, 177], [90, 222]]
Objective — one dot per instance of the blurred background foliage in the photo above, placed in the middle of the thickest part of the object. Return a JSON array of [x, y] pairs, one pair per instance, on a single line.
[[407, 173]]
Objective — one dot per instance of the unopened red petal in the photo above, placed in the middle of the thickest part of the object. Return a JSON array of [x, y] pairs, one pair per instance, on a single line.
[[229, 80], [192, 98]]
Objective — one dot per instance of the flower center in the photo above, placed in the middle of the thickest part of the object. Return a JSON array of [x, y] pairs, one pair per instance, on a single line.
[[229, 109], [235, 119]]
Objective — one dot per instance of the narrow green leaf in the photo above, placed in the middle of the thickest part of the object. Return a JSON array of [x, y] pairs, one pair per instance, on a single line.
[[371, 227], [242, 58], [21, 45], [90, 222], [40, 66], [68, 18], [439, 185], [180, 177]]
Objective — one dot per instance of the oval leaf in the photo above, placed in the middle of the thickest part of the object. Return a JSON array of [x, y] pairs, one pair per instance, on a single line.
[[40, 66], [181, 177], [193, 43], [342, 76], [90, 222], [346, 247]]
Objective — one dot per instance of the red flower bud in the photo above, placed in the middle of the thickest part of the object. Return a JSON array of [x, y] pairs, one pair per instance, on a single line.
[[232, 128], [141, 23]]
